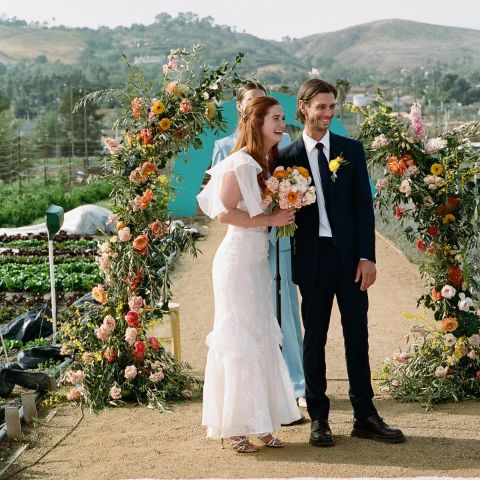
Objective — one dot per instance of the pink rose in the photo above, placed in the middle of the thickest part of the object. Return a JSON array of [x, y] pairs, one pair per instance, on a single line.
[[130, 372], [116, 393]]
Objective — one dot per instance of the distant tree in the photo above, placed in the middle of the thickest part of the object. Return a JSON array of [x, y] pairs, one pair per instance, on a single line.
[[343, 87], [41, 59]]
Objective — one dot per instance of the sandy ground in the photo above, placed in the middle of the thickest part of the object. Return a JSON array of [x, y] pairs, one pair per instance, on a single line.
[[135, 442]]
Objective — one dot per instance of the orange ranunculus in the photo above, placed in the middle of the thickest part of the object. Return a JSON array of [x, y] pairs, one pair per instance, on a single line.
[[99, 294], [140, 243], [109, 354], [407, 159], [280, 174], [455, 275], [146, 136], [292, 198], [449, 324], [146, 198], [148, 168], [436, 295], [395, 165], [303, 172], [158, 228]]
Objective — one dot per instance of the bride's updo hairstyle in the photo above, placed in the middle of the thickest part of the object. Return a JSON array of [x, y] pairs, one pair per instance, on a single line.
[[250, 135]]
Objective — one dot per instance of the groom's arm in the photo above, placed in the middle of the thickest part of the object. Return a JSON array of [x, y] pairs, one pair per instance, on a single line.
[[364, 215]]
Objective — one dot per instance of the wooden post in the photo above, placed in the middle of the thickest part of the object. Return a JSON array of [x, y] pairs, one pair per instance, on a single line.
[[12, 421], [29, 407], [174, 311], [52, 386]]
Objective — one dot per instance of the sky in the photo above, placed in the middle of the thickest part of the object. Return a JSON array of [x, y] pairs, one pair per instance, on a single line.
[[266, 19]]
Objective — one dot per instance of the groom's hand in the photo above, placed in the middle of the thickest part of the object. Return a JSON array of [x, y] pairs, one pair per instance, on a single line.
[[367, 271]]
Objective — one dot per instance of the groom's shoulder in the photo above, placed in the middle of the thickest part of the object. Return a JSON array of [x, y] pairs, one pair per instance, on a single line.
[[291, 149]]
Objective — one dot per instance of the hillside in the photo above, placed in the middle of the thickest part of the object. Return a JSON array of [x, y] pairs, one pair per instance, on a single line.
[[377, 46], [389, 44]]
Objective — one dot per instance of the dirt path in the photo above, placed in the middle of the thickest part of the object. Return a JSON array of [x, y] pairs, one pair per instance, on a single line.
[[136, 442]]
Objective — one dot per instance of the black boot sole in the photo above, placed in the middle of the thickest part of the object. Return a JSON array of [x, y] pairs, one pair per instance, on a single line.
[[378, 438], [321, 443]]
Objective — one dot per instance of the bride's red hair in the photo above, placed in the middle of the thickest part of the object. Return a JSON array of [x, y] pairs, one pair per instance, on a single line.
[[250, 135]]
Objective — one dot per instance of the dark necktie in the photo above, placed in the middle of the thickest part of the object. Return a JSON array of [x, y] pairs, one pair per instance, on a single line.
[[324, 172]]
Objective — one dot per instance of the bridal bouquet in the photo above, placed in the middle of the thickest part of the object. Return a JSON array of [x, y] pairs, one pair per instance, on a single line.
[[288, 188]]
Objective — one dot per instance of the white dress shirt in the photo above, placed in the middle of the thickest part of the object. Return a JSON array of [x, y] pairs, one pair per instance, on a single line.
[[312, 154]]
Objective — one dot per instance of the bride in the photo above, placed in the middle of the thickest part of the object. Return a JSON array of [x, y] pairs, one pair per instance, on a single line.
[[247, 387]]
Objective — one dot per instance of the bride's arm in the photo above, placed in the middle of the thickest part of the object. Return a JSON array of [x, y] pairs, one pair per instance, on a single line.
[[230, 195]]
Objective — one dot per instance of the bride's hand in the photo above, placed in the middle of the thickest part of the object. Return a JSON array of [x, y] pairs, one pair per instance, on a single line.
[[280, 217]]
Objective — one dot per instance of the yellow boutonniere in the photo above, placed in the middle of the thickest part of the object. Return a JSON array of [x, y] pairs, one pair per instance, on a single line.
[[334, 165]]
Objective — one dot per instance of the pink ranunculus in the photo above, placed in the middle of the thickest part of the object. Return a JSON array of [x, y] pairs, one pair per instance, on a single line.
[[104, 263], [472, 355], [109, 323], [112, 219], [450, 340], [135, 303], [474, 340], [130, 335], [266, 201], [140, 347], [185, 105], [434, 145], [153, 343], [448, 291], [272, 184], [156, 376], [381, 183], [75, 394], [116, 393], [103, 333], [130, 372], [113, 146], [124, 234], [75, 377], [441, 372], [405, 187], [379, 142]]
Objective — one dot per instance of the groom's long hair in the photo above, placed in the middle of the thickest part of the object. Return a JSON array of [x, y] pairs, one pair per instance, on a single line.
[[251, 139]]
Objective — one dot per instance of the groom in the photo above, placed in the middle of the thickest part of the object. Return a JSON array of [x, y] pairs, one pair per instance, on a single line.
[[333, 254]]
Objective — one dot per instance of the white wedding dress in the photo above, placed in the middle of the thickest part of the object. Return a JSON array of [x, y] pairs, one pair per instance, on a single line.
[[247, 387]]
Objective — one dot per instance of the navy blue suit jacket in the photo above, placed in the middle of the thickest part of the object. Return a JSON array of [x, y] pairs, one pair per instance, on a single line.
[[349, 207]]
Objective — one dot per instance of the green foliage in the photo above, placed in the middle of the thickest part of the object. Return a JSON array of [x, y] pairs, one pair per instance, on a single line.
[[38, 198]]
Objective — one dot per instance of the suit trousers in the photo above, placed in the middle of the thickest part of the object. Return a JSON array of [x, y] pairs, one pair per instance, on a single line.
[[334, 280]]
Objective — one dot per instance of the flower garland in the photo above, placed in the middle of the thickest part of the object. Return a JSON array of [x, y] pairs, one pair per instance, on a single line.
[[117, 357], [429, 184]]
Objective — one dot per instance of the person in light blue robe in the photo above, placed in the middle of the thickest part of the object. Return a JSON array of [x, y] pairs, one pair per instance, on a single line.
[[292, 347]]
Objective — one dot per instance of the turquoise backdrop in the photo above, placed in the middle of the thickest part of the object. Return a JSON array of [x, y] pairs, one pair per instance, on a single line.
[[189, 170]]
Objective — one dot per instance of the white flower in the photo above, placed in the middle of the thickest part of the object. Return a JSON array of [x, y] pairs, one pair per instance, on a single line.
[[472, 355], [405, 187], [441, 372], [380, 141], [448, 291], [474, 340], [465, 303], [450, 340], [434, 145], [116, 393], [428, 201], [130, 372]]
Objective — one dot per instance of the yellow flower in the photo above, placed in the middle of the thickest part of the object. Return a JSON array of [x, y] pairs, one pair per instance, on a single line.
[[334, 165], [164, 124], [158, 107], [448, 218], [436, 169], [210, 111]]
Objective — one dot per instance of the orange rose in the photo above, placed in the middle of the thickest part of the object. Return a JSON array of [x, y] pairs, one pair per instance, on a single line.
[[407, 159], [449, 324], [292, 198], [303, 172], [158, 228], [99, 294], [396, 166], [436, 296], [146, 198], [140, 243], [148, 168], [280, 174]]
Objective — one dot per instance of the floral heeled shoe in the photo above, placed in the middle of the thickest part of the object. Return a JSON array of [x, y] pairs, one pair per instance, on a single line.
[[271, 441], [241, 445]]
